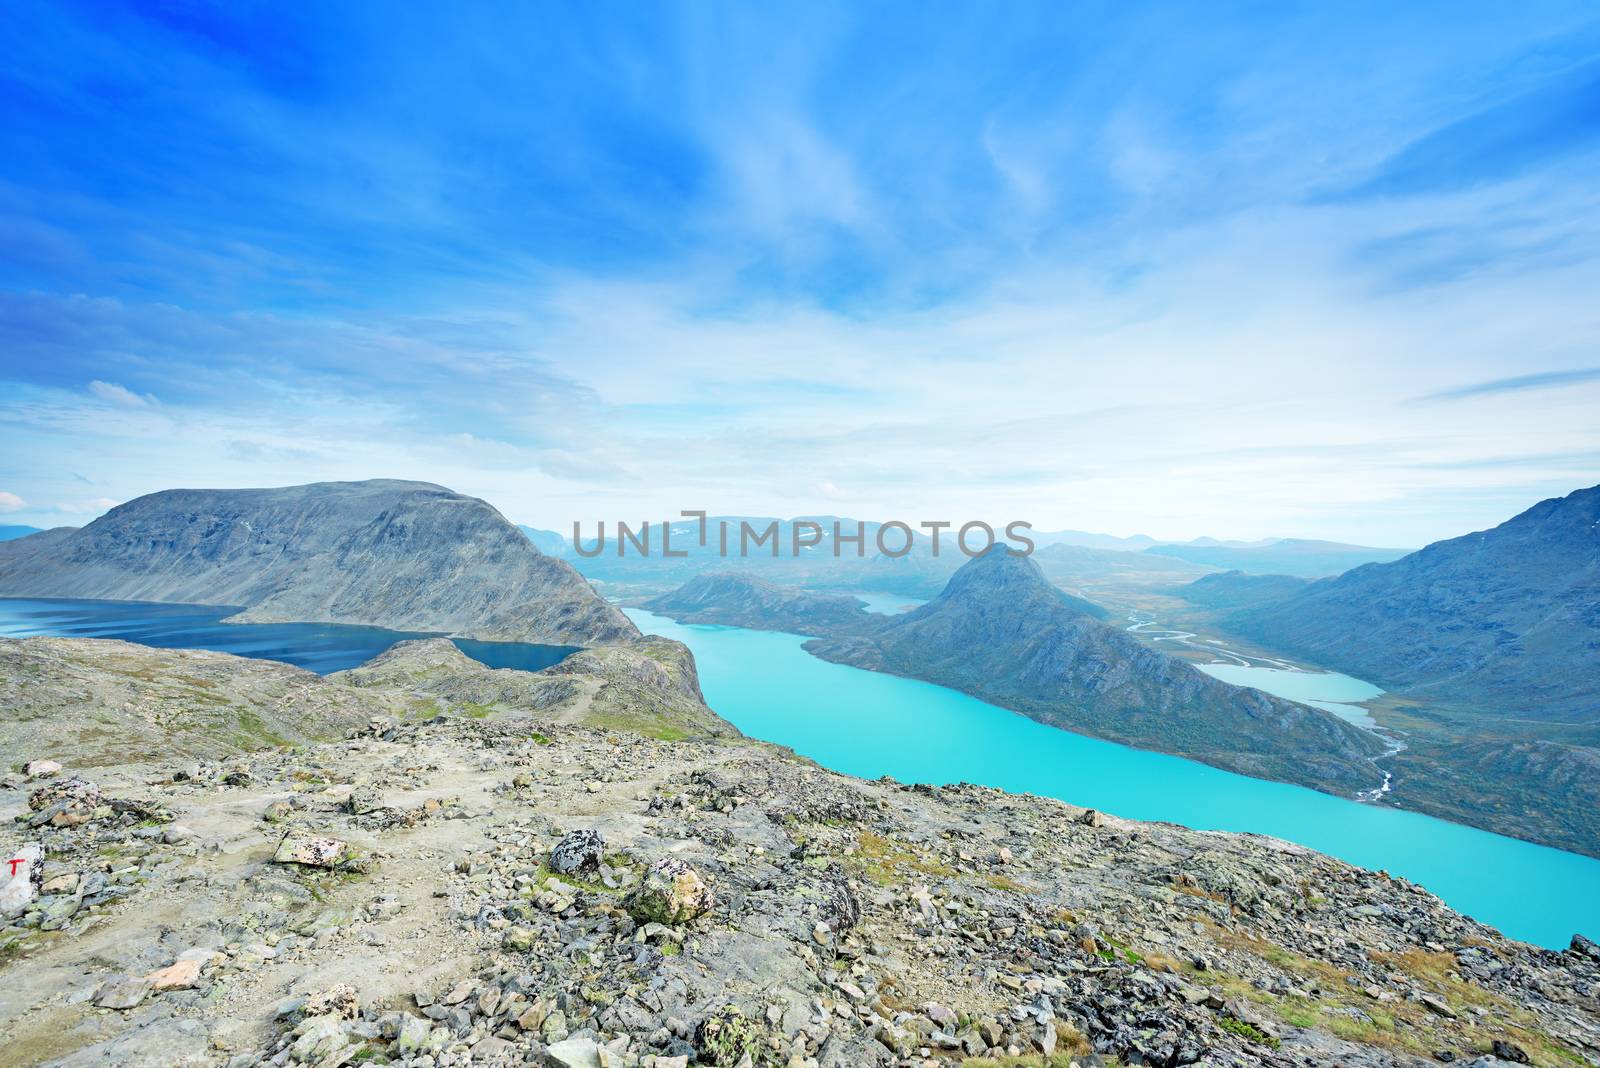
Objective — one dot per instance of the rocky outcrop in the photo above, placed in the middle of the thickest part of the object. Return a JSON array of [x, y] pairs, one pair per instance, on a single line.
[[1001, 632], [735, 599], [120, 703], [649, 685], [727, 904], [404, 555]]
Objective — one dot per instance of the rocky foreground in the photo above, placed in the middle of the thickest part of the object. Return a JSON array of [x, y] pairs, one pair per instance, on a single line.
[[584, 867]]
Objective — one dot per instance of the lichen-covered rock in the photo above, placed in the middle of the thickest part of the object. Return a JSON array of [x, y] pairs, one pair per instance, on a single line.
[[310, 850], [65, 803], [364, 800], [728, 1037], [578, 851], [672, 892], [338, 1000]]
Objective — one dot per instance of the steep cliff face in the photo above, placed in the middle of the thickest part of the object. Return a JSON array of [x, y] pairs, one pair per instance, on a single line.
[[1001, 632], [1503, 621], [406, 555]]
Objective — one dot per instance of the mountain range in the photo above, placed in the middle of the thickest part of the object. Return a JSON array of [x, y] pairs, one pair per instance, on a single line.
[[404, 555], [1283, 556], [10, 533]]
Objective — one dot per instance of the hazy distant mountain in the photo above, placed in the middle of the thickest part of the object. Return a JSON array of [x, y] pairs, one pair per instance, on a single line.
[[1089, 540], [1001, 632], [1133, 544], [406, 555], [12, 532], [1505, 620], [917, 574], [547, 541], [30, 545], [1286, 556], [1078, 564], [1229, 591], [740, 600]]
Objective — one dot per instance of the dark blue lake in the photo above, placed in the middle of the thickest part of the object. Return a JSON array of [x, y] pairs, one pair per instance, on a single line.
[[319, 647]]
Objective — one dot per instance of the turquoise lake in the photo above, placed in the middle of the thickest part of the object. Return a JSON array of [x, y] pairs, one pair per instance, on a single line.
[[868, 724], [319, 647], [1328, 690]]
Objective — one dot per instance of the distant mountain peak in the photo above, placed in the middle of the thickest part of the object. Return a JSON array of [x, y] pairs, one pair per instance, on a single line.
[[1018, 580]]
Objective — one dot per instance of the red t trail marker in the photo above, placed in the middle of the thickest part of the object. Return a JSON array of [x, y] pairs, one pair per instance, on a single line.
[[14, 861]]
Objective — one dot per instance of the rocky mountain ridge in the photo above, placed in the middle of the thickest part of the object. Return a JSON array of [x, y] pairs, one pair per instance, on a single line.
[[403, 555]]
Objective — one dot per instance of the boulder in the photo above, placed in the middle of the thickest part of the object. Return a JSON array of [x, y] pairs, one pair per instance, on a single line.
[[578, 851], [42, 769], [339, 1000], [21, 875], [672, 892], [124, 992], [364, 800], [575, 1053], [65, 802], [310, 850], [413, 1034], [181, 974]]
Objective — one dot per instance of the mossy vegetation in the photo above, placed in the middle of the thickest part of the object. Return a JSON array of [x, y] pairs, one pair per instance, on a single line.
[[1247, 1031], [887, 862], [657, 727], [728, 1036]]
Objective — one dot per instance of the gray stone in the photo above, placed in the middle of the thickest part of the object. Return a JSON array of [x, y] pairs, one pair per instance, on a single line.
[[578, 851]]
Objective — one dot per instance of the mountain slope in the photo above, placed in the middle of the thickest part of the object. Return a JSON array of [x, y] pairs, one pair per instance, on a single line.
[[548, 541], [1001, 632], [1504, 620], [734, 599], [1286, 556], [10, 533], [1228, 591], [406, 555]]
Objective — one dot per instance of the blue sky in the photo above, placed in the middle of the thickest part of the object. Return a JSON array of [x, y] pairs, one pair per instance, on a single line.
[[1248, 270]]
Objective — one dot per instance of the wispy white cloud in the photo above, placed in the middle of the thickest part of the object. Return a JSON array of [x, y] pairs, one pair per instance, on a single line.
[[120, 395]]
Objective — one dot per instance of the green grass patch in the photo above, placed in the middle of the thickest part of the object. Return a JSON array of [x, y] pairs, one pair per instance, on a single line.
[[1247, 1031]]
